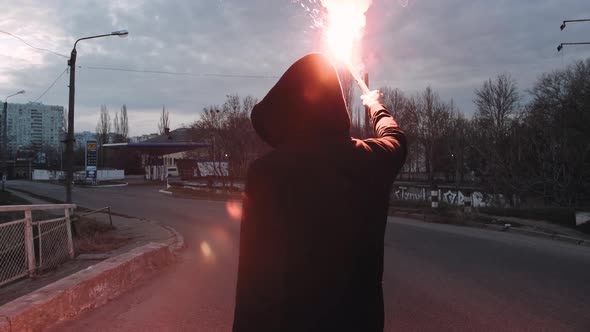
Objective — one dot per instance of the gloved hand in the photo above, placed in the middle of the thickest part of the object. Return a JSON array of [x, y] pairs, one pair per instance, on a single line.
[[372, 98]]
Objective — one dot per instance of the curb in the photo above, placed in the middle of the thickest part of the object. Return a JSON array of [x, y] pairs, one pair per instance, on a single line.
[[86, 289], [109, 185], [552, 236], [178, 242], [165, 192], [502, 228]]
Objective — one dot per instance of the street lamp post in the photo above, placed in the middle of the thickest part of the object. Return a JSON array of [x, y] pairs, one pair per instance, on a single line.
[[563, 25], [70, 135], [560, 46], [5, 138]]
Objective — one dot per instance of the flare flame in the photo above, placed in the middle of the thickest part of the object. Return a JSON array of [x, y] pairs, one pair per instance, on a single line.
[[346, 21]]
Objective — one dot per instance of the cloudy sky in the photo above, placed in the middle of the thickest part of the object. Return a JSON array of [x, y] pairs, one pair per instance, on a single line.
[[221, 47]]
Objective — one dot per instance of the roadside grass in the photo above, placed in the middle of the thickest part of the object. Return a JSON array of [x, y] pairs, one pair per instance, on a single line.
[[206, 193], [444, 214], [7, 198], [556, 215], [449, 214], [99, 183], [49, 200], [92, 236]]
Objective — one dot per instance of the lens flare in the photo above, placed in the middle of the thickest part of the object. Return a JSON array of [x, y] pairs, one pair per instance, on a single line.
[[206, 250], [234, 210]]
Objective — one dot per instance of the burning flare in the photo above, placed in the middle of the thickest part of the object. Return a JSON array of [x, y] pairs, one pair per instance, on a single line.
[[346, 20]]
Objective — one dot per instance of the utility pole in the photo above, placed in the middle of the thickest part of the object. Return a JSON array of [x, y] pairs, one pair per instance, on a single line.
[[70, 135]]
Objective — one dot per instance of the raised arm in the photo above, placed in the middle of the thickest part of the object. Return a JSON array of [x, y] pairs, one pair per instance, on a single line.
[[390, 140]]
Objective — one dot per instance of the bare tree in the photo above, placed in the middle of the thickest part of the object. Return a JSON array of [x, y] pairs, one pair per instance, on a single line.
[[493, 136], [103, 130], [230, 132], [124, 122], [497, 102], [346, 82], [403, 110], [433, 123], [164, 123], [121, 125], [456, 142], [557, 138], [103, 127], [117, 128]]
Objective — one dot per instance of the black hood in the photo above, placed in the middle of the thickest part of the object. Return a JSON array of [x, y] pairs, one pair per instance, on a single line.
[[306, 102]]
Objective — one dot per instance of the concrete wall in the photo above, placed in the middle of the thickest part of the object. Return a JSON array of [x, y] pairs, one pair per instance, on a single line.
[[102, 175], [46, 175], [582, 218], [452, 196], [110, 174]]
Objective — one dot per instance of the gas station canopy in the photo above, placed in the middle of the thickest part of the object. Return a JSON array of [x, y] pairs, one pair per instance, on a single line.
[[158, 148]]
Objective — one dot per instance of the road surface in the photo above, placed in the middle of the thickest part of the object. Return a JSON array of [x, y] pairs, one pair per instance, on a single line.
[[436, 278]]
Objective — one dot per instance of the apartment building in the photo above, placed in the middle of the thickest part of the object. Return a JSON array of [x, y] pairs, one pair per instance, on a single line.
[[33, 126]]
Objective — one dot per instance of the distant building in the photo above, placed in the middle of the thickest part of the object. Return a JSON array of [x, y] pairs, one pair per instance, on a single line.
[[142, 138], [33, 126], [160, 154], [83, 137]]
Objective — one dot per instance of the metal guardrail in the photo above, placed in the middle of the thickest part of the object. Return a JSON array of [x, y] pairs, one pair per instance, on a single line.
[[22, 252]]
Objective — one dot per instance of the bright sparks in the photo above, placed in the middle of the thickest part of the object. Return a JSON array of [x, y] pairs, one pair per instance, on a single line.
[[346, 20]]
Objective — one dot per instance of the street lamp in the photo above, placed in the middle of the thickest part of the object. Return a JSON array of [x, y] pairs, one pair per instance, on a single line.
[[562, 26], [70, 135], [5, 138], [560, 46]]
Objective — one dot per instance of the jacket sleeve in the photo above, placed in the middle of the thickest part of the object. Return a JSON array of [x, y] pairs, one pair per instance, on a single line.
[[390, 141]]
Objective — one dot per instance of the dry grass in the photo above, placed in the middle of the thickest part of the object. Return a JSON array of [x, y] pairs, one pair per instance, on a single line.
[[92, 237], [206, 193]]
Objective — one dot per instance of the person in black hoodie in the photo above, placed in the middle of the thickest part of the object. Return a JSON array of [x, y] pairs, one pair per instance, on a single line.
[[315, 209]]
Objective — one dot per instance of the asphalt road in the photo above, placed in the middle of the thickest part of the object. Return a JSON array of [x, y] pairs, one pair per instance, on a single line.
[[437, 277]]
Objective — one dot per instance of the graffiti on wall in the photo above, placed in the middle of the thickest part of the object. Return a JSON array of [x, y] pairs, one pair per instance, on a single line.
[[451, 197], [410, 194]]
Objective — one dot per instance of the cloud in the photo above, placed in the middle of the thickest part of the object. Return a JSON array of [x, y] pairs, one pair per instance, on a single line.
[[452, 46]]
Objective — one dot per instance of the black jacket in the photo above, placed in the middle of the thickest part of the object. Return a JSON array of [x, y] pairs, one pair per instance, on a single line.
[[315, 210]]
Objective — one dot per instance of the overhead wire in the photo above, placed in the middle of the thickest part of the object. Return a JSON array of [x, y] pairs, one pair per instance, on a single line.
[[153, 72], [160, 72], [180, 74], [52, 84], [34, 47]]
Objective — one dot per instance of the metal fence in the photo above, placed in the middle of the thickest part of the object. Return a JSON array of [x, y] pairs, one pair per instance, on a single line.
[[13, 255], [28, 246], [53, 243]]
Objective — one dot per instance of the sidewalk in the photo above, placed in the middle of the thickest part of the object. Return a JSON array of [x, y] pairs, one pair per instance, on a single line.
[[135, 232]]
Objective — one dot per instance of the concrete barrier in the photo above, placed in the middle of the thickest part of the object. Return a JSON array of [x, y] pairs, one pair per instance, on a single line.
[[110, 174], [84, 290], [102, 175], [582, 218]]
